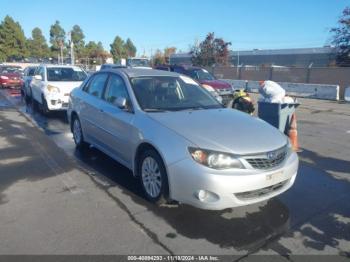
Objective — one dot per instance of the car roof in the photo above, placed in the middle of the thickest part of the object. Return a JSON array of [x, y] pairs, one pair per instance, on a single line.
[[56, 65], [136, 72]]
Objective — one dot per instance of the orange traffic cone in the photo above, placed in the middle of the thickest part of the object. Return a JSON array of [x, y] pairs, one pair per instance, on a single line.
[[293, 133]]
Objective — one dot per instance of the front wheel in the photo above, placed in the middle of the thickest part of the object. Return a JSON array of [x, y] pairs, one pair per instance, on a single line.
[[44, 107], [153, 177]]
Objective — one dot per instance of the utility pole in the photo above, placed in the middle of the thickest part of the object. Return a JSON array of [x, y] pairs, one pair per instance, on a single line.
[[237, 63], [71, 47]]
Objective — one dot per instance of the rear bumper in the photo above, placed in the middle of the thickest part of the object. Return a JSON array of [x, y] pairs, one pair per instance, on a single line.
[[11, 83], [228, 188]]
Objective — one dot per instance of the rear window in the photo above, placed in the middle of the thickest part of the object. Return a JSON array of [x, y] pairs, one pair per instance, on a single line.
[[57, 74], [10, 69]]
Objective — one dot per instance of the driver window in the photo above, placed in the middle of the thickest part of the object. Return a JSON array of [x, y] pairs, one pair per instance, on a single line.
[[115, 88]]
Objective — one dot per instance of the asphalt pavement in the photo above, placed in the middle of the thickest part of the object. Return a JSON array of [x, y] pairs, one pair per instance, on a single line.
[[57, 200]]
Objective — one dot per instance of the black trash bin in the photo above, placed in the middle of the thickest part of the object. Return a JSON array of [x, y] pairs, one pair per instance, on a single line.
[[278, 115]]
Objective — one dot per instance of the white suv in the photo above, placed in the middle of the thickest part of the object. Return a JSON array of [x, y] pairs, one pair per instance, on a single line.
[[52, 84]]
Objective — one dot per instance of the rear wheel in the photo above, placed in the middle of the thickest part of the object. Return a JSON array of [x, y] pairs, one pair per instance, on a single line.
[[153, 177], [78, 134]]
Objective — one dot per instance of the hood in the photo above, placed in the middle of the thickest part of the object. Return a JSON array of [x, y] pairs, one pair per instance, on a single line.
[[65, 87], [224, 130], [217, 84]]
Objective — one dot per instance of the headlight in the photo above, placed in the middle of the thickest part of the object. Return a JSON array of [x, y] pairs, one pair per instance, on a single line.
[[53, 89], [215, 160], [209, 88], [4, 77]]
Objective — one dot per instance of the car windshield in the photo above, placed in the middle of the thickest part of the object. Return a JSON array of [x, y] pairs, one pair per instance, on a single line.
[[65, 74], [10, 69], [201, 74], [138, 62], [166, 93]]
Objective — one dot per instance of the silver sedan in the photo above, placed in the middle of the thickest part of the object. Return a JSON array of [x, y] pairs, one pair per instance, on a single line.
[[179, 141]]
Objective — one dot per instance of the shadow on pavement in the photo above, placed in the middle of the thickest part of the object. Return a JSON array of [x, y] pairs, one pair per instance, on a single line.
[[327, 163], [26, 153]]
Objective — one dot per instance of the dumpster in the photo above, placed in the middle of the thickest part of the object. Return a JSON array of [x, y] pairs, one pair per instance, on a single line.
[[276, 114]]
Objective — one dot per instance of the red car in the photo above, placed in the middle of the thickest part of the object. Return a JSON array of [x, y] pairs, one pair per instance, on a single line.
[[223, 89], [10, 76]]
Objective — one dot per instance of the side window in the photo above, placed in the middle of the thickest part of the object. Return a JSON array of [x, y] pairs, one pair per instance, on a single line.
[[37, 71], [96, 85], [31, 71], [115, 88], [41, 72]]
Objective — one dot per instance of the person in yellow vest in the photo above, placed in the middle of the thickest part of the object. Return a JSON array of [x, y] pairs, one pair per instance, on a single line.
[[242, 102]]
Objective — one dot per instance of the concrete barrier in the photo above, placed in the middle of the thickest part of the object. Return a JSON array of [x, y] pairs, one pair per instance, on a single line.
[[317, 91], [347, 94]]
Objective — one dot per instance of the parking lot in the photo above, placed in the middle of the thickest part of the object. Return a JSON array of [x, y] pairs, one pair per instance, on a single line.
[[55, 199]]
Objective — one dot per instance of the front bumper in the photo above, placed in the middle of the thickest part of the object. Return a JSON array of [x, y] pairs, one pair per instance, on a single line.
[[57, 101], [230, 188]]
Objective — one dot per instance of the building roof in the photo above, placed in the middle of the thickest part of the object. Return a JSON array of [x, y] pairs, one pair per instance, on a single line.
[[290, 51]]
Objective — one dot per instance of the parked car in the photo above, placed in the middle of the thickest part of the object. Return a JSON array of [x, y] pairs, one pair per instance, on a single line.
[[52, 85], [207, 80], [135, 62], [28, 74], [179, 141], [10, 76], [111, 66]]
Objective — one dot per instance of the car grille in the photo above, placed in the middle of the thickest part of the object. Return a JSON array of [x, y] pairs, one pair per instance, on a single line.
[[269, 160], [260, 192]]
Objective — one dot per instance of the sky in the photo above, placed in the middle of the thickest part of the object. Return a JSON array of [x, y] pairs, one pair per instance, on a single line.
[[156, 24]]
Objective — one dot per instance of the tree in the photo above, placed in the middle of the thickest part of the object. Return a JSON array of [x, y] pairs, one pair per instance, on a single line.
[[168, 51], [37, 45], [341, 38], [118, 50], [95, 51], [12, 40], [158, 58], [78, 37], [130, 48], [57, 38], [211, 51]]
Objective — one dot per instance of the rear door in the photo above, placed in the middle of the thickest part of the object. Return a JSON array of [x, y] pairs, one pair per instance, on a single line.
[[90, 113]]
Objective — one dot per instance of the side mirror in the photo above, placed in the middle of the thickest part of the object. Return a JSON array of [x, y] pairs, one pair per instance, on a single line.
[[38, 77], [121, 102]]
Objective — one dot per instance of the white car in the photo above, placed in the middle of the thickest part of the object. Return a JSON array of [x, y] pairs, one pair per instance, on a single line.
[[52, 85]]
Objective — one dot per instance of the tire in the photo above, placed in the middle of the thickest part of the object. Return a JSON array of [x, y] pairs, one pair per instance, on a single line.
[[44, 108], [78, 136], [153, 178], [27, 97]]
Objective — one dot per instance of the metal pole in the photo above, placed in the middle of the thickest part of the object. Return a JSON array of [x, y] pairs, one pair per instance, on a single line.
[[237, 64], [71, 48]]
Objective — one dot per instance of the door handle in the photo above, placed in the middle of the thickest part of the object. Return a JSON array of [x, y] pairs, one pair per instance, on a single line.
[[101, 110]]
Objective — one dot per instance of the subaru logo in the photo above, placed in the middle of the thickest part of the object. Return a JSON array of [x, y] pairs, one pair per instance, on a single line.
[[271, 155]]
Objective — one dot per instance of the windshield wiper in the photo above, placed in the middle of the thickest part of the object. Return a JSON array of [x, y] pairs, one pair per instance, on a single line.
[[154, 110]]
